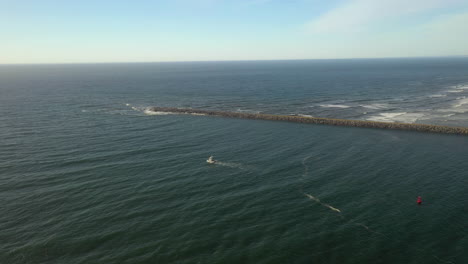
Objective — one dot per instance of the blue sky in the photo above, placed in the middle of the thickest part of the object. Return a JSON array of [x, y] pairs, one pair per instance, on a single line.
[[62, 31]]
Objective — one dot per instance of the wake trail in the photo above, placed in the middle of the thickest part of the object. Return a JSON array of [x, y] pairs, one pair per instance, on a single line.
[[231, 165], [313, 198], [234, 165], [371, 231], [317, 200]]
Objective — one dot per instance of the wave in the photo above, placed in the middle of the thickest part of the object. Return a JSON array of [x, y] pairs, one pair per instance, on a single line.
[[457, 88], [149, 112], [335, 106], [455, 91], [403, 117], [375, 106], [247, 111], [437, 95], [460, 103]]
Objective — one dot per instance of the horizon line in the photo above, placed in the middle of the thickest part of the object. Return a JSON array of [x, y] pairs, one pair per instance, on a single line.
[[240, 60]]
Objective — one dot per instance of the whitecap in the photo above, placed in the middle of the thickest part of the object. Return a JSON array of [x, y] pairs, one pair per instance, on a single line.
[[460, 103], [461, 87], [437, 95], [149, 112], [375, 106], [403, 117], [455, 91], [247, 111], [335, 106]]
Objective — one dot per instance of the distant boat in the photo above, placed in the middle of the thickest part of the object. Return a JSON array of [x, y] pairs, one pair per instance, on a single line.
[[210, 160]]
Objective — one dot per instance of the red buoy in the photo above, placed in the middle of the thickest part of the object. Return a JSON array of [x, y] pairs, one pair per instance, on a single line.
[[419, 201]]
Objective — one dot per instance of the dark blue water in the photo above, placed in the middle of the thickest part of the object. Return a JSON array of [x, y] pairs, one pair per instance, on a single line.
[[89, 175]]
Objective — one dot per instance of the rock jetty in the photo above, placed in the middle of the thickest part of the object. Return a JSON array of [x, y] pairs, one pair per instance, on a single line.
[[321, 121]]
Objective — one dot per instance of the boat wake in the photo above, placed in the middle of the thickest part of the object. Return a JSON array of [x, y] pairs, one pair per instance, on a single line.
[[324, 204], [241, 166], [230, 164], [311, 197], [367, 228]]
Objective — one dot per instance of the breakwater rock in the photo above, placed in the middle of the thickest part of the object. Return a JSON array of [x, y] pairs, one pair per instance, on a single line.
[[316, 120]]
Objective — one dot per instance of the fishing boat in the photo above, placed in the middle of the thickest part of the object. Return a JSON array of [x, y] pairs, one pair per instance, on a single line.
[[210, 160]]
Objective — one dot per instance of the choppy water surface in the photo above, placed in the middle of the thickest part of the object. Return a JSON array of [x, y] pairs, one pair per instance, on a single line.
[[88, 175]]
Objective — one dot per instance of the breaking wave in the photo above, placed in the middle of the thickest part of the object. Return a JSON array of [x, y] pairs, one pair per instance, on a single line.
[[335, 106], [402, 117]]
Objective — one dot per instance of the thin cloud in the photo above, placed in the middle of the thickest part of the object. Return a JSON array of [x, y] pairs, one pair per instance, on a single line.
[[358, 15]]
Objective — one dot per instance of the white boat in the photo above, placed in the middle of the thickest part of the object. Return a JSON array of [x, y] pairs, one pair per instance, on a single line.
[[210, 160]]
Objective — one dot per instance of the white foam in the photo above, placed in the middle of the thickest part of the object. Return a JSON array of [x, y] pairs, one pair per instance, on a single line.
[[149, 112], [403, 117], [127, 104], [304, 115], [455, 91], [385, 117], [233, 165], [461, 87], [247, 111], [375, 106], [460, 103], [324, 204], [335, 106], [437, 95]]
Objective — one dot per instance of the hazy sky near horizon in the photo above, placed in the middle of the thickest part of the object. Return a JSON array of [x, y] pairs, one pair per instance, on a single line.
[[62, 31]]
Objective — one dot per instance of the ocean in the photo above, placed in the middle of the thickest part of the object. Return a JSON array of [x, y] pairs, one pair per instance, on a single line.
[[88, 174]]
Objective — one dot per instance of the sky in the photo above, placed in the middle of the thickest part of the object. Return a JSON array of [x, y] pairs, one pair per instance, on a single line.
[[88, 31]]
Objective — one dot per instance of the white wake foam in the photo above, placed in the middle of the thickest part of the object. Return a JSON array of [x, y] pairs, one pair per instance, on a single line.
[[234, 165]]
